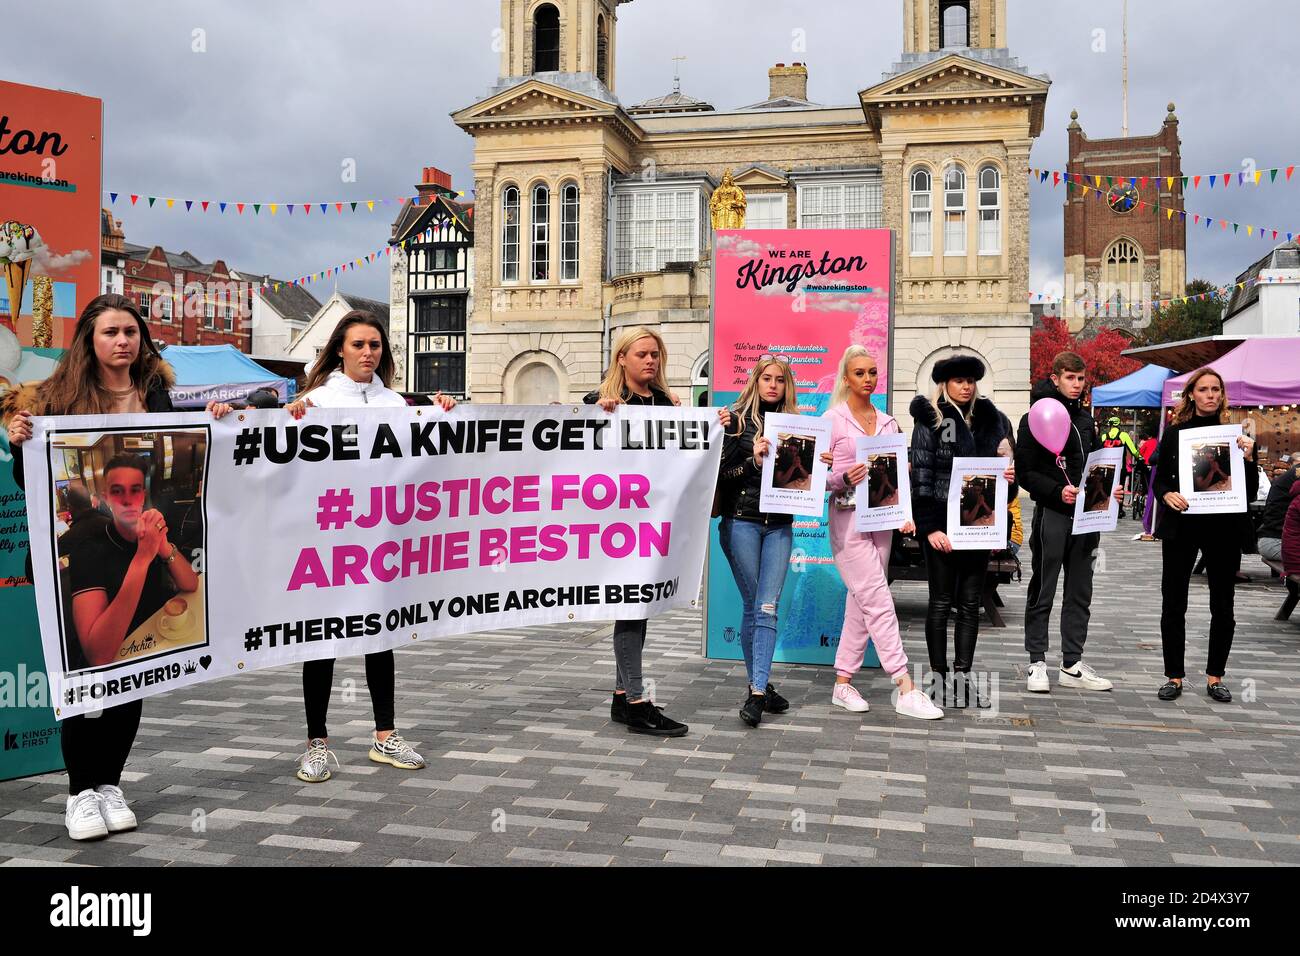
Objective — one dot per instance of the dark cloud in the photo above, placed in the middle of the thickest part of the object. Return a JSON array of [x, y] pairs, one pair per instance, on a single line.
[[287, 92]]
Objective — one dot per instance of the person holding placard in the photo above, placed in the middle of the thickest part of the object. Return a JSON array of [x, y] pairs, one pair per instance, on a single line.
[[955, 422], [111, 368], [1221, 537], [757, 543], [1056, 437], [354, 370], [862, 558], [636, 377]]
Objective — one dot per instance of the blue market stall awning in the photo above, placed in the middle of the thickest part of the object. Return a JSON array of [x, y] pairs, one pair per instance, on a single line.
[[220, 373], [1140, 389]]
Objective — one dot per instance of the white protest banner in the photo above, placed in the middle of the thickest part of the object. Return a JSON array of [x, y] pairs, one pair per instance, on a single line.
[[1211, 470], [794, 482], [352, 531], [1095, 507], [977, 504], [884, 499]]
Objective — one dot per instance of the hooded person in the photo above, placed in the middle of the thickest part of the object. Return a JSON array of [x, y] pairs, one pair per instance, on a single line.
[[1056, 550]]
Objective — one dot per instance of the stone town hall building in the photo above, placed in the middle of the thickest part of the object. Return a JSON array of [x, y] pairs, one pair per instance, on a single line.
[[592, 214]]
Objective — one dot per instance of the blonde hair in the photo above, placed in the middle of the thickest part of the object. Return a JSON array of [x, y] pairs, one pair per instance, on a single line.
[[747, 407], [940, 394], [1187, 403], [840, 395], [615, 382]]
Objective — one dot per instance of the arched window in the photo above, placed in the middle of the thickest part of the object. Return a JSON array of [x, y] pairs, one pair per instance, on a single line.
[[569, 246], [546, 39], [922, 213], [602, 50], [990, 210], [1121, 274], [955, 23], [954, 211], [541, 249], [510, 234]]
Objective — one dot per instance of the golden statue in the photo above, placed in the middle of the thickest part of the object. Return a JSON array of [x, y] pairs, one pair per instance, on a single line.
[[727, 207], [42, 311]]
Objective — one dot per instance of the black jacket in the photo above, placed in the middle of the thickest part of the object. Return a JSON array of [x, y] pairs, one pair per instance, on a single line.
[[740, 481], [1275, 507], [155, 402], [1036, 467], [1229, 529], [631, 398], [934, 446]]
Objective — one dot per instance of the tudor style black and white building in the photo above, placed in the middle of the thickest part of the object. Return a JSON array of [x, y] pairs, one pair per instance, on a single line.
[[430, 290]]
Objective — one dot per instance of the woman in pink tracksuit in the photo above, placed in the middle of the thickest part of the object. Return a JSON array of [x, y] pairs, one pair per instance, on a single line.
[[863, 558]]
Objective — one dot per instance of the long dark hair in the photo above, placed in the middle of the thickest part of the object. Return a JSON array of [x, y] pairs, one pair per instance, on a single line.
[[72, 388], [331, 360]]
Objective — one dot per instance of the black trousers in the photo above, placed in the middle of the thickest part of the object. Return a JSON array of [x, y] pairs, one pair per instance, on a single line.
[[1222, 561], [318, 682], [956, 585], [95, 747]]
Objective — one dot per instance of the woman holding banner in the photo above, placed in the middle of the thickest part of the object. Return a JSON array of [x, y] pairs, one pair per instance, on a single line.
[[862, 558], [757, 544], [954, 423], [112, 367], [354, 370], [1220, 537], [636, 377]]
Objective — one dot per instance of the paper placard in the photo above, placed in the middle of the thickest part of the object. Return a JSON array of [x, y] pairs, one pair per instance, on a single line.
[[1095, 508], [1211, 470], [977, 504], [794, 481], [884, 498]]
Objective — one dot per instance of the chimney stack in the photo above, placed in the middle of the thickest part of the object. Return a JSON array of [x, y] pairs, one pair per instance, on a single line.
[[434, 182], [791, 81]]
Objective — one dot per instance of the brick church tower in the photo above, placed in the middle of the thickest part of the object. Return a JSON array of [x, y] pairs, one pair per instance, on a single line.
[[1126, 249]]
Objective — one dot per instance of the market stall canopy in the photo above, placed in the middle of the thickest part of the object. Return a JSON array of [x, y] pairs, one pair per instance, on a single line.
[[220, 373], [1140, 389], [1188, 354], [1261, 371]]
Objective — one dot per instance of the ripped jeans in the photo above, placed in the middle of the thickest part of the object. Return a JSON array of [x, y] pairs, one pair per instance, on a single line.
[[759, 556]]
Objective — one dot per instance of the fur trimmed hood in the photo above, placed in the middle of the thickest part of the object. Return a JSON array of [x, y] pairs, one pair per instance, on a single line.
[[985, 417]]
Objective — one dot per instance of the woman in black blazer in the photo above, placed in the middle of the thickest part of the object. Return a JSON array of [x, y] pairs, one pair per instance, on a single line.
[[1220, 537]]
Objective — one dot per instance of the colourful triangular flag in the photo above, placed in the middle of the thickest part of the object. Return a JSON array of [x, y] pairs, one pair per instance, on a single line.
[[112, 198], [1272, 175], [205, 205], [223, 208], [354, 207], [152, 200], [1258, 173], [134, 197], [188, 204], [274, 206], [1211, 182], [371, 205], [171, 203], [257, 209]]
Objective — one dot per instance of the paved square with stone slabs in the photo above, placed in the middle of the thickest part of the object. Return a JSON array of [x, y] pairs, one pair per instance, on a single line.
[[525, 767]]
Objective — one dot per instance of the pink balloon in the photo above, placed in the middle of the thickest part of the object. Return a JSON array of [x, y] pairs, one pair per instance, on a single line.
[[1049, 422]]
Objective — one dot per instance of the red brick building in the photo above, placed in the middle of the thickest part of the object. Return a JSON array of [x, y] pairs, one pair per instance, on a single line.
[[1123, 247], [187, 301]]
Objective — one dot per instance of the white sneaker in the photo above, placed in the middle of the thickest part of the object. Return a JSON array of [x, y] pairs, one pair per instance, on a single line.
[[916, 703], [314, 765], [846, 696], [395, 751], [1083, 677], [82, 817], [112, 807], [1038, 682]]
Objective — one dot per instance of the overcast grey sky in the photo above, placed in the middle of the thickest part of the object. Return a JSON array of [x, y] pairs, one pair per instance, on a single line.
[[287, 92]]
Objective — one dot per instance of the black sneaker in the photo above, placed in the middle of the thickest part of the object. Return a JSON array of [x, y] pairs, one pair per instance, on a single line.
[[618, 709], [1170, 691], [773, 702], [752, 711], [646, 718]]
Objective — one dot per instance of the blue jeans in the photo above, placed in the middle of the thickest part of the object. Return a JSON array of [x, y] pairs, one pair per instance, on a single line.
[[759, 556]]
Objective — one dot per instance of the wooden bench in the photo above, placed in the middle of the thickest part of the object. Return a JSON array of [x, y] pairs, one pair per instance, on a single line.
[[907, 563], [1292, 590]]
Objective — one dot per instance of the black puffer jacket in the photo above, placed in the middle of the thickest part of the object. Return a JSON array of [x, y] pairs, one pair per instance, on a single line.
[[935, 444], [1036, 467], [740, 481]]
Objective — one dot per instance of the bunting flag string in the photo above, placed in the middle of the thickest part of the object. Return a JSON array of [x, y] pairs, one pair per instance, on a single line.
[[1256, 177], [360, 262], [1162, 303], [238, 207], [1090, 186]]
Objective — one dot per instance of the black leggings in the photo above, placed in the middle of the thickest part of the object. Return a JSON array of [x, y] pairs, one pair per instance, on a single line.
[[95, 747], [956, 584], [318, 681]]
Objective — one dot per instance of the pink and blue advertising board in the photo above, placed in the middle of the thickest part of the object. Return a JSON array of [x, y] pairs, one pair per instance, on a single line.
[[805, 295]]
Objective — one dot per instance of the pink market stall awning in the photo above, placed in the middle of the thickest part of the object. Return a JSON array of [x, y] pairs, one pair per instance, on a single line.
[[1260, 371]]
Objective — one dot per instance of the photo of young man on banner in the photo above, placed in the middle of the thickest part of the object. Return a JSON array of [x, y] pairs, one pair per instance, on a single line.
[[884, 500], [1212, 471], [1095, 507], [794, 482], [977, 504]]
